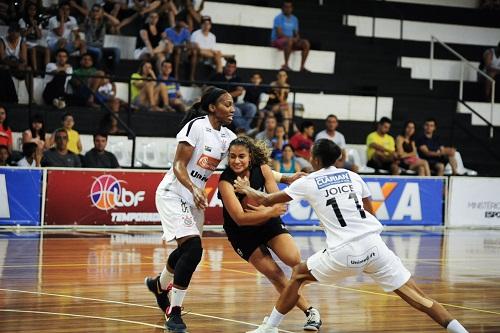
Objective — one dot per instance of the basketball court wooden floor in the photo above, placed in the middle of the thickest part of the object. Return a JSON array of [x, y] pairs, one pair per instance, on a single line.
[[93, 282]]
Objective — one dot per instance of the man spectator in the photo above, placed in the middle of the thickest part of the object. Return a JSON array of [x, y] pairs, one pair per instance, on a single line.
[[172, 91], [79, 9], [332, 134], [63, 31], [285, 36], [244, 112], [56, 80], [99, 157], [267, 134], [180, 37], [85, 81], [491, 59], [430, 148], [206, 42], [302, 143], [381, 148], [60, 156], [31, 156]]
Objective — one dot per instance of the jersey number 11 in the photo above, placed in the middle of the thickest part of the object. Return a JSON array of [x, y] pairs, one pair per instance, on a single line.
[[333, 202]]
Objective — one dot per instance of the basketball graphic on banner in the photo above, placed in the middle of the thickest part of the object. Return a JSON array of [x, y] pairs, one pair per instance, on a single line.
[[105, 192]]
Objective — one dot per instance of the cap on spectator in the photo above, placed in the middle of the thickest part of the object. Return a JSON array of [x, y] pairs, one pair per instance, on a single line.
[[206, 18]]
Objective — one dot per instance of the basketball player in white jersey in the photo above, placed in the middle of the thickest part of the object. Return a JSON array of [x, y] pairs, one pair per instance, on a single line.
[[181, 199], [341, 200]]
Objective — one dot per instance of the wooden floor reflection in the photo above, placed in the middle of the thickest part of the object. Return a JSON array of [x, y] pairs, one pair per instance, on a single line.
[[93, 282]]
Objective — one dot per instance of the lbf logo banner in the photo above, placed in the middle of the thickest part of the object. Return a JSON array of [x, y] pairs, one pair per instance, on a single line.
[[396, 201], [20, 196]]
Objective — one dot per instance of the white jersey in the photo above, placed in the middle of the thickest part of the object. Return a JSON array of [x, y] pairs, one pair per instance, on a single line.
[[336, 197], [210, 148]]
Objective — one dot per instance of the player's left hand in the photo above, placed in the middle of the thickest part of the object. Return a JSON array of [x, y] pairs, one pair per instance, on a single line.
[[241, 185], [294, 177]]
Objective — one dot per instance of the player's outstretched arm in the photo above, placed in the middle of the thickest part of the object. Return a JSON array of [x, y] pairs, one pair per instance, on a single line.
[[242, 185]]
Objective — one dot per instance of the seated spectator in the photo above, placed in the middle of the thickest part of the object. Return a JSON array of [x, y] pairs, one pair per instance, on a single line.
[[98, 157], [31, 30], [79, 10], [187, 10], [180, 38], [36, 133], [285, 36], [60, 156], [32, 156], [74, 144], [430, 149], [407, 151], [279, 141], [5, 131], [491, 60], [4, 156], [137, 9], [95, 27], [64, 32], [145, 91], [206, 43], [56, 80], [244, 112], [267, 135], [302, 143], [278, 96], [151, 45], [85, 81], [381, 150], [106, 93], [287, 163], [332, 134], [171, 95], [253, 95], [14, 55], [109, 125]]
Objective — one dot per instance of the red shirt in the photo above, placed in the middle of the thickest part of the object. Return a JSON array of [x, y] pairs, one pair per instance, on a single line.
[[301, 145], [5, 137]]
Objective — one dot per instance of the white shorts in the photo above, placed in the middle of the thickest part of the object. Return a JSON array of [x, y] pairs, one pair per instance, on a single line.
[[369, 255], [178, 218]]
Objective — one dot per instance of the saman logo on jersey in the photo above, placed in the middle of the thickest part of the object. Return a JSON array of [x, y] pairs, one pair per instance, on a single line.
[[208, 162], [332, 179]]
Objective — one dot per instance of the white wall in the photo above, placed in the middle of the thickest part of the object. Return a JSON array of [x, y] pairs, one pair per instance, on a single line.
[[446, 70], [484, 109], [241, 15]]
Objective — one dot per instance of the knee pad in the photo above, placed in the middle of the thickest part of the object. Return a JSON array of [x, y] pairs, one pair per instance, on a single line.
[[174, 257], [190, 258]]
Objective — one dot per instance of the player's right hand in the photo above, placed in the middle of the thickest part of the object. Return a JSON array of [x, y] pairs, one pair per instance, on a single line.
[[200, 198], [241, 185]]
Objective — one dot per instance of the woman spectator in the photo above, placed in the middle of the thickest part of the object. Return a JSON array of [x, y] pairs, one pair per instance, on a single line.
[[287, 162], [36, 133], [4, 156], [151, 45], [277, 102], [407, 151], [145, 91], [279, 141], [5, 132], [31, 30]]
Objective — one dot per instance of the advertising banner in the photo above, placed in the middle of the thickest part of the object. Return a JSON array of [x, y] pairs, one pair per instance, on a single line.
[[20, 196], [474, 202]]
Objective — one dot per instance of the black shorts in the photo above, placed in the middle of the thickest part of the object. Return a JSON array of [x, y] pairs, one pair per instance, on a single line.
[[378, 165], [432, 162], [246, 240]]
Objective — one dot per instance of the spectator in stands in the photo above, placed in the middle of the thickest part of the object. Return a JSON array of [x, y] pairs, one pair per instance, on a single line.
[[32, 156], [267, 134], [109, 125], [171, 94], [491, 60], [180, 38], [381, 149], [95, 27], [85, 81], [36, 133], [430, 148], [244, 112], [64, 32], [186, 9], [285, 36], [287, 162], [74, 144], [31, 30], [4, 156], [145, 90], [278, 96], [99, 157], [56, 80], [206, 43], [14, 55], [106, 93], [5, 131], [60, 156], [252, 94], [332, 134], [79, 10], [302, 143], [151, 44], [407, 151], [279, 141]]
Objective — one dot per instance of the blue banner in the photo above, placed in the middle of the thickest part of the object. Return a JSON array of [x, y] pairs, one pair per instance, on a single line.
[[20, 196], [396, 201]]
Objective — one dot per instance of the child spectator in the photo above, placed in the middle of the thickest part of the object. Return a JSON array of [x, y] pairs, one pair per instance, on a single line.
[[171, 94]]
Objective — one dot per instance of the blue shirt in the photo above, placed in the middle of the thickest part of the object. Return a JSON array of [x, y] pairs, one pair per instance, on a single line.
[[178, 39], [289, 26], [172, 86]]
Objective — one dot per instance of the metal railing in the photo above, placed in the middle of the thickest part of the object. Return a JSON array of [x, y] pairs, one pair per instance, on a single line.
[[463, 62]]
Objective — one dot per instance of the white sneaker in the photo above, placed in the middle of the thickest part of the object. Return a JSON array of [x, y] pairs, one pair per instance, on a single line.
[[264, 328], [313, 320]]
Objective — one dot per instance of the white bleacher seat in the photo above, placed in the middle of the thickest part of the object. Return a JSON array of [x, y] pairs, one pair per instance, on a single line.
[[122, 91], [17, 141], [448, 3], [236, 14], [121, 146], [446, 70], [155, 152], [357, 154], [461, 169], [484, 109], [190, 94], [126, 44]]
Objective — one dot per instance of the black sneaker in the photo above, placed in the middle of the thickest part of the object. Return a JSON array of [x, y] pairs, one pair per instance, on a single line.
[[160, 294], [174, 322]]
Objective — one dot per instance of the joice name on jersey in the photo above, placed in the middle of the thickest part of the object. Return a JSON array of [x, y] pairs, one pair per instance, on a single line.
[[341, 180]]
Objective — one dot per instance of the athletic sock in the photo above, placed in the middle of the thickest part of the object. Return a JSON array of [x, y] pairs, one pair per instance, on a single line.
[[177, 297], [455, 327], [165, 278], [275, 318]]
